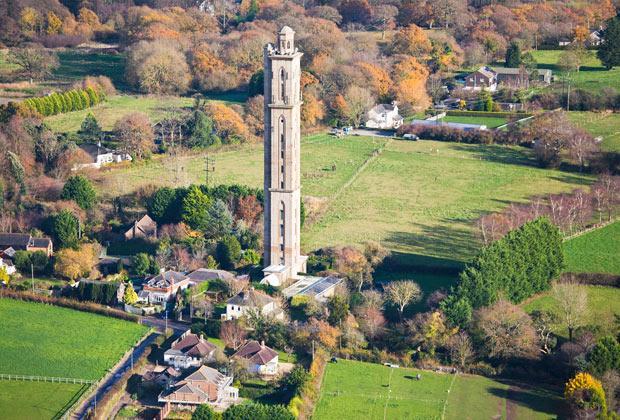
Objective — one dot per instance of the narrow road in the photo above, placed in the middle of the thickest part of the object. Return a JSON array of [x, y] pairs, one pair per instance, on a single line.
[[160, 324], [112, 377]]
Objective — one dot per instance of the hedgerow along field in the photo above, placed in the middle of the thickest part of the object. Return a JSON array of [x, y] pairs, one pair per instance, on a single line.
[[371, 391], [603, 308], [37, 400], [48, 340], [597, 251]]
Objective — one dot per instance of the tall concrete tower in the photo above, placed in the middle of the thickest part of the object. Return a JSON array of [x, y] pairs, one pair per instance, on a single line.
[[282, 160]]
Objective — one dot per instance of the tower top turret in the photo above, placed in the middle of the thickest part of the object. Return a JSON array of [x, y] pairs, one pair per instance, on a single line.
[[286, 41]]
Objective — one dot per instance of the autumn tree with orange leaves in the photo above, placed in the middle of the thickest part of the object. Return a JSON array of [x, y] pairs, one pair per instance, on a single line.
[[410, 83]]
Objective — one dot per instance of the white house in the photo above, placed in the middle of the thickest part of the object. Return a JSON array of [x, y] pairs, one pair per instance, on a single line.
[[100, 156], [262, 360], [251, 300], [189, 350], [384, 117], [163, 287], [8, 266]]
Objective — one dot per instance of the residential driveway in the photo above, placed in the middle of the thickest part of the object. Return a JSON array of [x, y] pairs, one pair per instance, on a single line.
[[372, 132], [160, 324]]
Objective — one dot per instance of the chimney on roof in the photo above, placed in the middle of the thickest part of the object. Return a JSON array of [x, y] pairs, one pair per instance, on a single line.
[[262, 343], [202, 337], [162, 270]]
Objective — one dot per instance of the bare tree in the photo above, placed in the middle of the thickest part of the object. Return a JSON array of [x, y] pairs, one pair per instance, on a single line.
[[573, 303], [235, 285], [35, 63], [359, 100], [461, 349], [543, 321], [582, 146], [401, 293], [135, 133], [507, 331], [232, 334], [372, 299], [372, 322]]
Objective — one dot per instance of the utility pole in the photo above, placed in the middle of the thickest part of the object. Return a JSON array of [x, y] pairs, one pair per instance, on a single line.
[[32, 275], [209, 167], [166, 328]]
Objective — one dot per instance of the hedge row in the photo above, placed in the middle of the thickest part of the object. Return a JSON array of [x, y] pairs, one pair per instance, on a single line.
[[103, 293], [519, 114], [521, 264], [68, 303], [454, 135], [71, 100]]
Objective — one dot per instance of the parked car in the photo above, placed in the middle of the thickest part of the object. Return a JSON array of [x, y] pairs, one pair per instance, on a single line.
[[409, 136], [347, 130]]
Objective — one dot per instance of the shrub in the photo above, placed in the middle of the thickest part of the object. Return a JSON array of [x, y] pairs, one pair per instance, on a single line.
[[585, 393], [228, 252]]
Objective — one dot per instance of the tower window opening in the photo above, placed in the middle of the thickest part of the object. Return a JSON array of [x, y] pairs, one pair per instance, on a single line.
[[282, 85]]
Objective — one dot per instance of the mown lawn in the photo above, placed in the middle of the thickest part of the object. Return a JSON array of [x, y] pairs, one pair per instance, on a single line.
[[490, 122], [48, 340], [592, 75], [603, 306], [36, 400], [371, 391], [597, 251], [117, 107], [604, 124]]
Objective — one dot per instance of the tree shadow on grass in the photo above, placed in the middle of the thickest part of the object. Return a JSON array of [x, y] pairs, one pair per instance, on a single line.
[[499, 154], [537, 399]]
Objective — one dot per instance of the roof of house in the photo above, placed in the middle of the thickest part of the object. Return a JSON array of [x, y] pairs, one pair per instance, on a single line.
[[381, 108], [15, 239], [166, 279], [486, 71], [41, 242], [517, 70], [252, 298], [193, 345], [256, 352], [146, 225], [94, 150], [311, 286], [207, 374], [206, 274]]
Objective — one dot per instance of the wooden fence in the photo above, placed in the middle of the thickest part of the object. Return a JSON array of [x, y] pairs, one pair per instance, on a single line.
[[34, 378]]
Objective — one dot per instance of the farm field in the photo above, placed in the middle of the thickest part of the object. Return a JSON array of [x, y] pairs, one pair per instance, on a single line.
[[490, 122], [371, 391], [597, 251], [592, 76], [603, 306], [36, 400], [116, 107], [604, 124], [75, 65], [443, 188], [52, 341]]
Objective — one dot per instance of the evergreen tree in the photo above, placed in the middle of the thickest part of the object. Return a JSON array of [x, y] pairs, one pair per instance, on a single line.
[[202, 132], [609, 50], [90, 128], [161, 206], [195, 210], [228, 252], [64, 228], [130, 296], [204, 412], [79, 189], [513, 55], [219, 220], [141, 264], [256, 84]]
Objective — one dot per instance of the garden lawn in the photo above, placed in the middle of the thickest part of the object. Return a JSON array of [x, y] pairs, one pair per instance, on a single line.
[[591, 77], [603, 306], [48, 340], [37, 400], [116, 107], [490, 122], [371, 391], [600, 124], [597, 251]]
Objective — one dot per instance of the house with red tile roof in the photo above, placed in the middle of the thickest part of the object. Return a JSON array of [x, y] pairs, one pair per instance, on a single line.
[[189, 350], [204, 386], [262, 360]]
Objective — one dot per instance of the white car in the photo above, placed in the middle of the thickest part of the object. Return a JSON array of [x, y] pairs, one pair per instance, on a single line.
[[409, 136]]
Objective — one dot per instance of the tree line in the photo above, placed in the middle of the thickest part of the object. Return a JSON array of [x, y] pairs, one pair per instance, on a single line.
[[61, 102]]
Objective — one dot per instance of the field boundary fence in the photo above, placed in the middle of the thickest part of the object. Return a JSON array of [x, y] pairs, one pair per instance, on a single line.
[[52, 379]]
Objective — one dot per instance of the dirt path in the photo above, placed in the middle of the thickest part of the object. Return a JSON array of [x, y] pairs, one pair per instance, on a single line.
[[511, 406]]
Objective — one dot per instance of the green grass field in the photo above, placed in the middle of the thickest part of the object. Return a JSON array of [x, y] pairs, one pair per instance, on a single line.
[[603, 124], [371, 391], [490, 122], [603, 304], [36, 400], [116, 107], [597, 251], [442, 188], [76, 65], [52, 341], [592, 75]]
